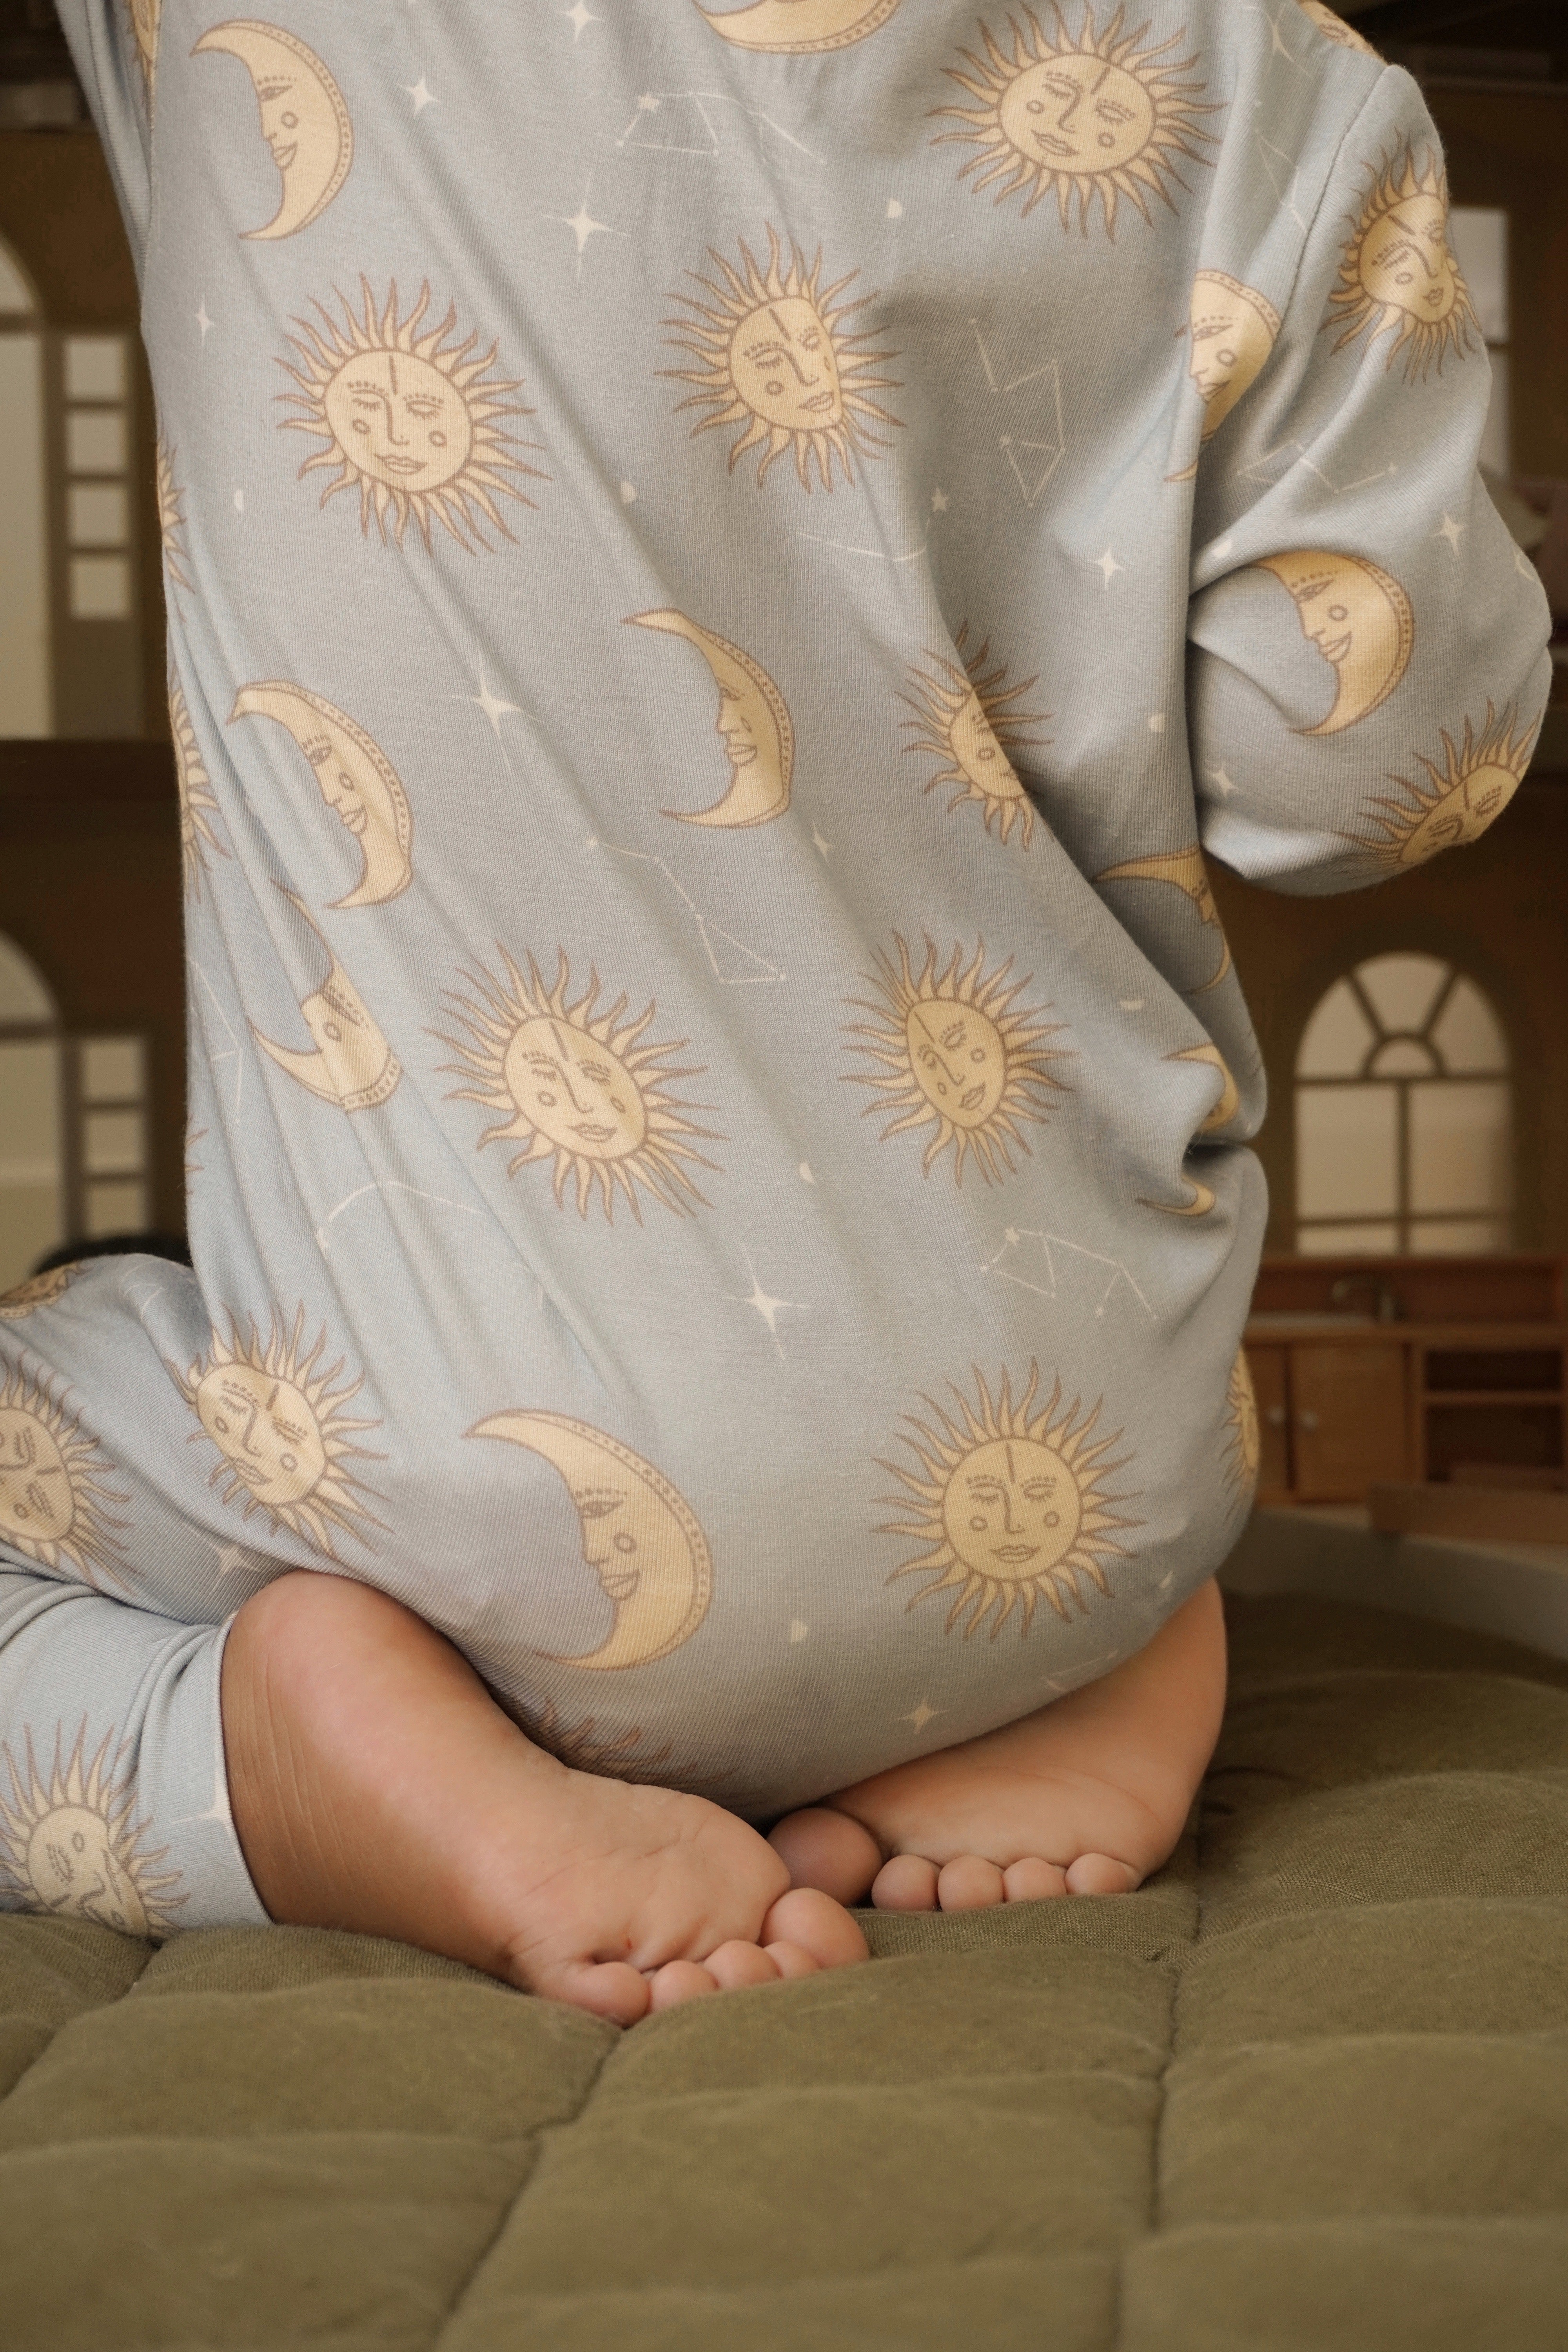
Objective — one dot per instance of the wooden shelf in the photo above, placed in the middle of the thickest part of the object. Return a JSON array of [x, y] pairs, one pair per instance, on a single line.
[[1492, 1396]]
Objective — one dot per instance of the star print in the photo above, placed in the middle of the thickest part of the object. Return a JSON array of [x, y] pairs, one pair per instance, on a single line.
[[797, 1630], [1452, 532], [922, 1716], [494, 710], [204, 323], [579, 18], [1109, 567], [818, 843], [582, 226], [768, 1308], [421, 96], [939, 502], [1222, 784]]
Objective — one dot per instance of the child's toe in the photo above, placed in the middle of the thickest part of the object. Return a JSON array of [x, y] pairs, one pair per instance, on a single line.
[[737, 1963], [1033, 1881], [679, 1981], [969, 1882], [908, 1883], [1101, 1873]]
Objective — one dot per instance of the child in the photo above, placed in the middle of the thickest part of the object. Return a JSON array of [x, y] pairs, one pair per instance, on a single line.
[[723, 570]]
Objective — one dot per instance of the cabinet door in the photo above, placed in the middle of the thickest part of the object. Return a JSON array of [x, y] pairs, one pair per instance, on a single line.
[[1348, 1420], [1269, 1367]]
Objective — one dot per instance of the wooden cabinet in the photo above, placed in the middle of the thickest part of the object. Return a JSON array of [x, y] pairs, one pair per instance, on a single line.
[[1439, 1390], [1334, 1418]]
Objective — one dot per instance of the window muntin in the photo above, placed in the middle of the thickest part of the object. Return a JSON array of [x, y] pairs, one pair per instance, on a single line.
[[1403, 1114]]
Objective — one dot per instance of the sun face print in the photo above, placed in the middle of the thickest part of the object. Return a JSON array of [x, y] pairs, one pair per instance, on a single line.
[[1010, 1504], [53, 1502], [585, 1749], [145, 24], [1398, 276], [956, 1052], [583, 1088], [1243, 1448], [773, 354], [69, 1847], [409, 419], [1335, 28], [283, 1432], [968, 720], [38, 1290], [1456, 801], [198, 806], [1099, 117], [170, 517]]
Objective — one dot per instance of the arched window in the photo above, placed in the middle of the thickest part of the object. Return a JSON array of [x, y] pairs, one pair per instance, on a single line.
[[1403, 1114], [32, 1172], [25, 700]]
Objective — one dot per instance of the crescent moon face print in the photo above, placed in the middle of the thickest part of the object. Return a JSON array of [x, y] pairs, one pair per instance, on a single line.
[[582, 1088], [968, 720], [798, 28], [409, 419], [1233, 329], [53, 1502], [303, 118], [1009, 1503], [69, 1846], [954, 1050], [1458, 798], [1201, 1203], [353, 1066], [1184, 870], [753, 722], [1230, 1101], [773, 354], [1096, 118], [284, 1435], [1335, 28], [640, 1536], [1399, 277], [1360, 621], [358, 782]]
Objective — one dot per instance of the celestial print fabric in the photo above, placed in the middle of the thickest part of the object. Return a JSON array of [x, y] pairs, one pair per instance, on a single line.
[[729, 568]]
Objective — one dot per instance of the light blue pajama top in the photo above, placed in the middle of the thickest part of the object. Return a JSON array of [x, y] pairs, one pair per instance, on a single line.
[[725, 569]]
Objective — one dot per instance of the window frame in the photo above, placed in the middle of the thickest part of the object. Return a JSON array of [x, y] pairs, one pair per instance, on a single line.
[[1407, 1220]]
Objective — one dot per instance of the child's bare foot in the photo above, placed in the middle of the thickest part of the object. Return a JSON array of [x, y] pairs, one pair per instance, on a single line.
[[377, 1785], [1085, 1797]]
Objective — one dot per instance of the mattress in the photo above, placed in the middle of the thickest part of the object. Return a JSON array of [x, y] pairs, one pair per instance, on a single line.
[[1306, 2090]]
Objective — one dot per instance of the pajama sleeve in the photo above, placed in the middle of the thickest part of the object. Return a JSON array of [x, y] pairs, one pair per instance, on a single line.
[[1367, 668], [114, 46]]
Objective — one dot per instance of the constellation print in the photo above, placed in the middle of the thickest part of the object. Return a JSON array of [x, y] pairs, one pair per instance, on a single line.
[[1026, 411], [1041, 1261], [758, 973], [708, 136]]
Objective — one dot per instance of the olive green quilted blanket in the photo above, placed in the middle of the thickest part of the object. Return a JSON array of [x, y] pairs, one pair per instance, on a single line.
[[1305, 2092]]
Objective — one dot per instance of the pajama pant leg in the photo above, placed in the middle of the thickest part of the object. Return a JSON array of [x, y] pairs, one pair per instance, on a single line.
[[113, 1794]]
